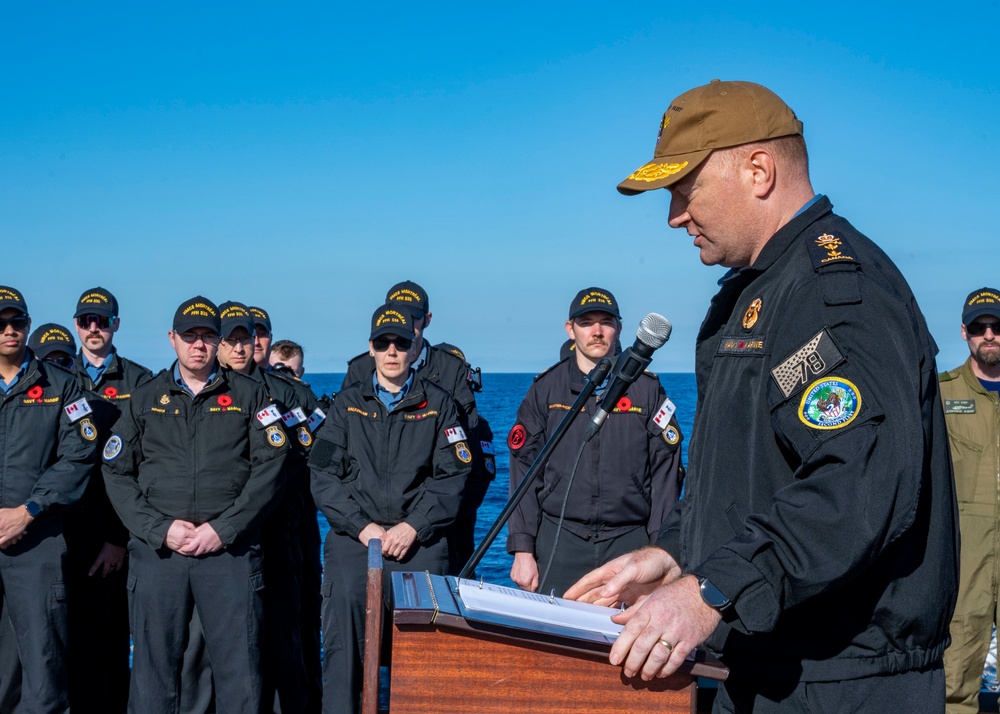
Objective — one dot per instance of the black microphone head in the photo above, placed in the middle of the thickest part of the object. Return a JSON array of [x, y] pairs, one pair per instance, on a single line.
[[654, 330]]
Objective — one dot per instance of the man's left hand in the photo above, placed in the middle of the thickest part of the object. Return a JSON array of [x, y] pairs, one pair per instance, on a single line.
[[111, 558], [674, 614], [204, 541], [13, 523]]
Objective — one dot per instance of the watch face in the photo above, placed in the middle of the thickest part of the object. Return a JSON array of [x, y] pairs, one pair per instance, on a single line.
[[713, 596], [33, 509]]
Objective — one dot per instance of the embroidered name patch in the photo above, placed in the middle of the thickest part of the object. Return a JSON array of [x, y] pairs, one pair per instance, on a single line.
[[454, 434], [77, 410], [811, 361], [959, 406], [663, 414], [741, 346], [830, 404], [268, 416]]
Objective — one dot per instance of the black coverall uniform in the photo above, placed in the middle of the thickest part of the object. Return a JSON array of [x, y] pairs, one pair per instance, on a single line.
[[819, 496], [98, 605], [627, 482], [48, 446], [370, 465], [450, 371], [213, 458]]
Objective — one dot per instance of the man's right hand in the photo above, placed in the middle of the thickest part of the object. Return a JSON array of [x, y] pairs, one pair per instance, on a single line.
[[524, 571], [630, 578]]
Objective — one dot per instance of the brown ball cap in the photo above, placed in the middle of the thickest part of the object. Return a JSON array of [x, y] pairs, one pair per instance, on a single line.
[[714, 116]]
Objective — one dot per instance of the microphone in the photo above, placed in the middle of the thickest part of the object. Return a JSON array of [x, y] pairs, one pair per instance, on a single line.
[[653, 332]]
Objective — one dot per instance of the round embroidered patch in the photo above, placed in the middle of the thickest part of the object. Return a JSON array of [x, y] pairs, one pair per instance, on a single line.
[[275, 436], [87, 430], [463, 453], [624, 404], [517, 436], [491, 468], [671, 435], [113, 447], [305, 438], [830, 404]]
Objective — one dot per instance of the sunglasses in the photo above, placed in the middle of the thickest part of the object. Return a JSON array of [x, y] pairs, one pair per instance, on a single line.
[[61, 361], [235, 341], [18, 323], [381, 344], [208, 338], [979, 328], [103, 322]]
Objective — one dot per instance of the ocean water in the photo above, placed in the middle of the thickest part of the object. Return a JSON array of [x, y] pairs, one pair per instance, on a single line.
[[498, 402]]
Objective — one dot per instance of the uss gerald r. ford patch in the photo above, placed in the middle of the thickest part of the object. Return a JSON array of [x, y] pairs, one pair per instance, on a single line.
[[810, 361], [830, 404]]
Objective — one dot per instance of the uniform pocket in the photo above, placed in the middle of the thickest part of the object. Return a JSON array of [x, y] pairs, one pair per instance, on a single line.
[[965, 456], [331, 628]]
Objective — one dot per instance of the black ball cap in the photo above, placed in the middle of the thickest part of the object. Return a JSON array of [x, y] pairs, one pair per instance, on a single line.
[[197, 312]]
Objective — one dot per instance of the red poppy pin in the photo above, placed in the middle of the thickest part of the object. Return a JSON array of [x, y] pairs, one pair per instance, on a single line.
[[422, 404], [225, 400], [110, 392], [624, 404], [36, 392]]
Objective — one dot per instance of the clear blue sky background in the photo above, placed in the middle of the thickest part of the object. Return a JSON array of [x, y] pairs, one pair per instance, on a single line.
[[306, 157]]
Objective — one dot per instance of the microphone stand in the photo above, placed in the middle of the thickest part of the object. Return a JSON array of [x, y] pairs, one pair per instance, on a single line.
[[596, 377]]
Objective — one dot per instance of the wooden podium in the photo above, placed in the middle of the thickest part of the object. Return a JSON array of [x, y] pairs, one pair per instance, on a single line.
[[446, 658]]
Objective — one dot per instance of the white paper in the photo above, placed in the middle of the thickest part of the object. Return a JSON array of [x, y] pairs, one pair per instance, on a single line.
[[538, 607]]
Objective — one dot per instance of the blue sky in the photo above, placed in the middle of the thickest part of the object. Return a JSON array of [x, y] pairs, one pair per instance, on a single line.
[[305, 158]]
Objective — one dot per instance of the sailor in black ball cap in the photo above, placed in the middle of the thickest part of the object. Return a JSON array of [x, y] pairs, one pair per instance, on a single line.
[[48, 448], [192, 467], [390, 462]]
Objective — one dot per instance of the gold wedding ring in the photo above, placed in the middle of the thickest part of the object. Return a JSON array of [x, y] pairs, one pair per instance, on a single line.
[[666, 644]]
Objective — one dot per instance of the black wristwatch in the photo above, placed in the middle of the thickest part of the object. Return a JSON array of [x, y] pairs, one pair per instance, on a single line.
[[714, 598], [32, 508]]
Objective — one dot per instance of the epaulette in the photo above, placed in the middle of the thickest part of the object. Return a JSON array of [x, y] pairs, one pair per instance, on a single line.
[[357, 357], [833, 258], [549, 369], [949, 376], [451, 349]]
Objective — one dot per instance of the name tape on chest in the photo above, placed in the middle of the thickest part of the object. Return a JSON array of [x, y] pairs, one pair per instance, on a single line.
[[77, 410], [741, 346], [315, 419], [663, 414], [269, 415], [959, 406], [455, 434], [293, 417], [811, 361]]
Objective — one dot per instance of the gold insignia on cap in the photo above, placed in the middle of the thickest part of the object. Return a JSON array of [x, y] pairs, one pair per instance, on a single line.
[[655, 172], [752, 313]]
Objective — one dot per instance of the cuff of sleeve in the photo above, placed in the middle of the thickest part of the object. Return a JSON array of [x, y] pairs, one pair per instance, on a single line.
[[669, 539], [520, 543], [356, 524], [421, 525], [753, 598], [158, 533], [224, 529]]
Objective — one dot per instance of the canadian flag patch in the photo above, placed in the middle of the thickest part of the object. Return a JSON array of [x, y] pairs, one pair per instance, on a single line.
[[315, 419], [78, 410], [268, 416], [454, 434], [487, 447], [294, 417], [663, 414]]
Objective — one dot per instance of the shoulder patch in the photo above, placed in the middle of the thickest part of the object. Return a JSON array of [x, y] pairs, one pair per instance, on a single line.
[[269, 415], [663, 414], [294, 417], [517, 436], [113, 447], [830, 404], [463, 453], [77, 410], [275, 436], [87, 430], [487, 447], [455, 434], [811, 361], [959, 406], [671, 435], [315, 419], [304, 435]]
